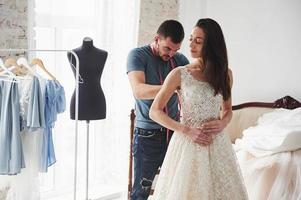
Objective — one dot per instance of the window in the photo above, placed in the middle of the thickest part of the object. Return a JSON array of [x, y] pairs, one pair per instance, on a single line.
[[62, 24]]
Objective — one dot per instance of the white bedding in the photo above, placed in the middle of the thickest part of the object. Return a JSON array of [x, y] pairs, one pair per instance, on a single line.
[[275, 132], [269, 155]]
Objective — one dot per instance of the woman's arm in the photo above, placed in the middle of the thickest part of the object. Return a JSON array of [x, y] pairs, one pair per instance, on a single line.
[[171, 84]]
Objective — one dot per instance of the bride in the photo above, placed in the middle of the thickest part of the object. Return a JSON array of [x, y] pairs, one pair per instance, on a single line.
[[199, 165]]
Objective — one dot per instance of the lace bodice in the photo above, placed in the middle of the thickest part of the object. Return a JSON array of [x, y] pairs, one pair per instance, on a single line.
[[197, 100]]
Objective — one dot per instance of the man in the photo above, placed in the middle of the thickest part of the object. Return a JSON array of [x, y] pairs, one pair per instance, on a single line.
[[147, 67]]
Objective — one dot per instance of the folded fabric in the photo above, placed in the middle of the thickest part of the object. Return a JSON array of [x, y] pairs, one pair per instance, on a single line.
[[284, 116]]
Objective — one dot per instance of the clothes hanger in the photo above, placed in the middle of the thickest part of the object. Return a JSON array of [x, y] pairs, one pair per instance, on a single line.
[[17, 70], [6, 73], [22, 61], [4, 68], [39, 62]]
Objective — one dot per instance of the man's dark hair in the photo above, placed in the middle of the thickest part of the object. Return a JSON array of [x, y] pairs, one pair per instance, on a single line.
[[172, 29]]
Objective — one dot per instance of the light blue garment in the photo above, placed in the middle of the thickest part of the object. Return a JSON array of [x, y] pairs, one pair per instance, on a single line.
[[55, 103], [11, 153], [1, 83], [35, 115]]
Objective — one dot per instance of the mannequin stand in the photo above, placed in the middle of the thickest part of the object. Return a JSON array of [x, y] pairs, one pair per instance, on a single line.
[[87, 161]]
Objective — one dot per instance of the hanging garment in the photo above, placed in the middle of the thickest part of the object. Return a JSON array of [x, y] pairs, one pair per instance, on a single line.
[[35, 114], [11, 154], [24, 95], [26, 184], [1, 85], [54, 103]]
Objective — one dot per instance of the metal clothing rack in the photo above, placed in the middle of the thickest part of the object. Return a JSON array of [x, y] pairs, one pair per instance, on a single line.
[[76, 100]]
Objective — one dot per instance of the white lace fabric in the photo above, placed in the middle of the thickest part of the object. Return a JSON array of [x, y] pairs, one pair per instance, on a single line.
[[194, 172], [24, 94]]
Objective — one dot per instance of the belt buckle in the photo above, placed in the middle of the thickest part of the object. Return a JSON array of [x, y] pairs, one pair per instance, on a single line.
[[162, 129]]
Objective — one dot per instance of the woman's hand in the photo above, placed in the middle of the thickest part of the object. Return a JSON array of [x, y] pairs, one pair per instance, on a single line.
[[198, 136], [213, 127]]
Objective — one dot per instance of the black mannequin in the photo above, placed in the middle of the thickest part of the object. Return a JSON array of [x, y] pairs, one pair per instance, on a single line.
[[92, 102]]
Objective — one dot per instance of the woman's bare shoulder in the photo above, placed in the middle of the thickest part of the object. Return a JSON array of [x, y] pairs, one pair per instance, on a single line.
[[177, 71]]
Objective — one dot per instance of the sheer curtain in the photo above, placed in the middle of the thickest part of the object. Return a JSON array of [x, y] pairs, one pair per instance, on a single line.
[[62, 24]]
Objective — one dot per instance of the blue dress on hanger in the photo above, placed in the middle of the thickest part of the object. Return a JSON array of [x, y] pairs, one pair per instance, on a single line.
[[35, 115], [55, 103], [11, 153], [1, 83]]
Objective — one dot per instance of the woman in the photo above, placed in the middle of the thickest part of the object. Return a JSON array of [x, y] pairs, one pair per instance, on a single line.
[[198, 164]]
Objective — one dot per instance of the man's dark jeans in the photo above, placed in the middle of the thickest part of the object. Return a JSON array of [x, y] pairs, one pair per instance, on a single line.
[[149, 150]]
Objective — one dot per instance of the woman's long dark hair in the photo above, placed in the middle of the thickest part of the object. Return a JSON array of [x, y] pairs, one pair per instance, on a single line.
[[215, 59]]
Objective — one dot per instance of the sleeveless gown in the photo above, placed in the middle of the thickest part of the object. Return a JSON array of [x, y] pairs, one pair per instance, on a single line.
[[194, 172]]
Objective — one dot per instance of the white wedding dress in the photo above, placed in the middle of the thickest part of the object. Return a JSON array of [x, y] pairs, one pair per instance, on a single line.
[[194, 172]]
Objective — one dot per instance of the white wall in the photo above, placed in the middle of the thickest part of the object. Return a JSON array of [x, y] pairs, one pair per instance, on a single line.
[[263, 40]]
